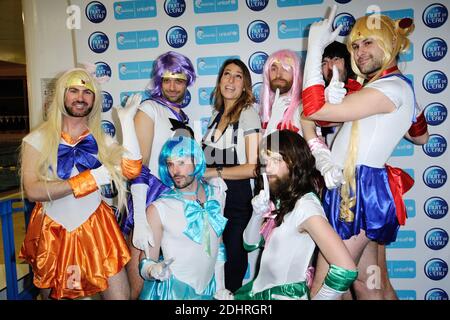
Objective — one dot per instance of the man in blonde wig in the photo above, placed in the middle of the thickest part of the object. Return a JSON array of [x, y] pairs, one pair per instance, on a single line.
[[368, 209], [73, 242]]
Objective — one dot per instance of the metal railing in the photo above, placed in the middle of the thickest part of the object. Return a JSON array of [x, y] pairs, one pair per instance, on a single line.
[[7, 210]]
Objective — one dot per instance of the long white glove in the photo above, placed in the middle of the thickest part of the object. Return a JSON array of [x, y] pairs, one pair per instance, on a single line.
[[142, 233], [327, 293], [126, 116], [320, 35], [156, 270], [335, 91], [221, 293], [331, 172], [101, 175]]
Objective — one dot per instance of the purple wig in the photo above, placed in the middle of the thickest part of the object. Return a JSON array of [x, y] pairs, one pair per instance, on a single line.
[[287, 58], [174, 63]]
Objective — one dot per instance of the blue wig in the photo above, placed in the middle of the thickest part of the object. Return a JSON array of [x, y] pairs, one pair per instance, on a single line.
[[181, 147]]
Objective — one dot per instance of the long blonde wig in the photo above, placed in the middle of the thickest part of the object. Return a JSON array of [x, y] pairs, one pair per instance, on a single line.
[[391, 36], [109, 155]]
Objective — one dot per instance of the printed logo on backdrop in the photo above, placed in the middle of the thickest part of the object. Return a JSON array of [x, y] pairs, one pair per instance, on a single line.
[[436, 269], [176, 37], [204, 124], [436, 294], [174, 8], [95, 12], [126, 94], [134, 9], [404, 148], [102, 69], [135, 70], [434, 177], [406, 294], [186, 99], [435, 113], [435, 146], [410, 205], [434, 81], [137, 39], [296, 28], [401, 268], [408, 55], [225, 33], [258, 31], [434, 49], [204, 96], [345, 19], [435, 208], [256, 89], [207, 66], [108, 128], [256, 62], [257, 5], [292, 3], [98, 42], [436, 238], [209, 6], [107, 101], [405, 239], [435, 15]]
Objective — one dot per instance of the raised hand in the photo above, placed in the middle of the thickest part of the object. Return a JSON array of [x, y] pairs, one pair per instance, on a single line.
[[335, 92]]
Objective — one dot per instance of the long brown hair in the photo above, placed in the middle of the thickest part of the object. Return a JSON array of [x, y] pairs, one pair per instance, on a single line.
[[245, 100]]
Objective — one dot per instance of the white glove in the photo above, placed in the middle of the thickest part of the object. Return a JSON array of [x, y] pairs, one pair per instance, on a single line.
[[327, 293], [335, 92], [219, 274], [320, 35], [126, 116], [101, 175], [223, 294], [331, 172], [142, 233], [261, 203], [159, 271]]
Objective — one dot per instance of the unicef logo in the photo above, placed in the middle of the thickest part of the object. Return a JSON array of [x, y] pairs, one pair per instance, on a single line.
[[258, 31], [256, 61], [95, 12], [257, 5], [102, 69], [434, 49], [436, 238], [256, 89], [434, 81], [436, 294], [108, 128], [434, 177], [174, 8], [435, 146], [186, 99], [98, 42], [436, 269], [435, 15], [107, 101], [435, 113], [436, 208], [346, 20], [176, 37]]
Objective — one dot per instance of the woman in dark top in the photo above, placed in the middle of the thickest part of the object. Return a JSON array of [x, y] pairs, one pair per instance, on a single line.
[[231, 150]]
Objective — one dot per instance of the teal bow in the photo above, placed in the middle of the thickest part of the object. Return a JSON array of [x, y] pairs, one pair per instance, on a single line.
[[198, 217]]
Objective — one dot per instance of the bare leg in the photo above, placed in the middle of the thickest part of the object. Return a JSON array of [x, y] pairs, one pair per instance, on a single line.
[[368, 285], [45, 294], [134, 278], [118, 287], [388, 290]]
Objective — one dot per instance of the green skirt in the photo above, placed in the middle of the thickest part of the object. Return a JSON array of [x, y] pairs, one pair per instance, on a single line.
[[294, 290]]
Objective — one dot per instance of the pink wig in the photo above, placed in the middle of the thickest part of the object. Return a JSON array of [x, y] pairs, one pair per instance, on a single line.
[[288, 59]]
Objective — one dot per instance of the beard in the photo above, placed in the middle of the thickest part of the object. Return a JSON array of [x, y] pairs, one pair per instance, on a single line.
[[71, 111], [183, 183], [175, 98], [283, 85], [370, 67], [278, 186]]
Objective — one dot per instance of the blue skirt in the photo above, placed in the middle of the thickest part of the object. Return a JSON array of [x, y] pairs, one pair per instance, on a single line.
[[375, 210]]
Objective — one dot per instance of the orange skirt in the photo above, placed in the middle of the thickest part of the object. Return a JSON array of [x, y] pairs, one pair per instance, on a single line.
[[78, 263]]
